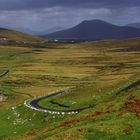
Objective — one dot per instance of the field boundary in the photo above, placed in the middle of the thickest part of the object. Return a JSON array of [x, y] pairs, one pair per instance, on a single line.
[[5, 73]]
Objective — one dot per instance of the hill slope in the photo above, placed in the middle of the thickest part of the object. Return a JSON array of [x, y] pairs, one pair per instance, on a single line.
[[18, 36], [104, 76], [136, 25], [96, 30]]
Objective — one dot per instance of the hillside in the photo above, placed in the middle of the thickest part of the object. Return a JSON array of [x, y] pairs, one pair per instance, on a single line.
[[96, 30], [18, 36], [103, 77], [136, 25]]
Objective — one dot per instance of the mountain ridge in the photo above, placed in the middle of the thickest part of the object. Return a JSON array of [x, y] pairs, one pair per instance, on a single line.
[[136, 25], [95, 30]]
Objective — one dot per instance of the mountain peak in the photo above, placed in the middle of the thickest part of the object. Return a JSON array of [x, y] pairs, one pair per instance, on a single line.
[[96, 30], [94, 21]]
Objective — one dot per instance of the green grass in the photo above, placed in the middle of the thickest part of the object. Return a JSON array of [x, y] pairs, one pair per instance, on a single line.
[[97, 71], [20, 119], [76, 97]]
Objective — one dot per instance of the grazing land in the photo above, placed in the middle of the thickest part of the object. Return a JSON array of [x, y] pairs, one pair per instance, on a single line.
[[105, 79], [7, 35]]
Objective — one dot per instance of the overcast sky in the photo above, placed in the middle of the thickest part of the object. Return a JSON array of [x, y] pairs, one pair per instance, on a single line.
[[44, 14]]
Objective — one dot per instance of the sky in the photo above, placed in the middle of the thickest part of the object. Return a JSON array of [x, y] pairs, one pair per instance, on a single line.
[[39, 15]]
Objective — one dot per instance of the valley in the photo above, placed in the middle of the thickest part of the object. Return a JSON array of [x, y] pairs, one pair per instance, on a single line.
[[103, 77]]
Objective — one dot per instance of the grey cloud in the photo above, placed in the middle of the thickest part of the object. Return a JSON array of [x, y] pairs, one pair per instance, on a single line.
[[43, 14], [37, 4]]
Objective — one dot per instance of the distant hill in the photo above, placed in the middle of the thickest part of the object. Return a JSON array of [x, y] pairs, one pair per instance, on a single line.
[[95, 30], [18, 36], [136, 25], [37, 32], [23, 30]]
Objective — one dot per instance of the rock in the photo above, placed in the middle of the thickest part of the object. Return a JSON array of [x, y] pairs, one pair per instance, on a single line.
[[3, 98]]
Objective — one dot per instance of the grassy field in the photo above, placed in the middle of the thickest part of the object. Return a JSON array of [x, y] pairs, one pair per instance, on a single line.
[[98, 71]]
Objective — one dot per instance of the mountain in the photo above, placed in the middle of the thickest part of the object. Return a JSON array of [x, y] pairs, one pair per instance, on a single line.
[[95, 30], [9, 34], [136, 25]]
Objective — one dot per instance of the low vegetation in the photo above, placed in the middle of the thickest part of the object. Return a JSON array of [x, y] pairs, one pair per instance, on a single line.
[[105, 79]]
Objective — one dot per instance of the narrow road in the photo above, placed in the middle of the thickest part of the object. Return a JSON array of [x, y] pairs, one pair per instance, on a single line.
[[34, 105]]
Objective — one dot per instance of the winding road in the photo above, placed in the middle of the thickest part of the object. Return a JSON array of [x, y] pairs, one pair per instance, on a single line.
[[33, 104]]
